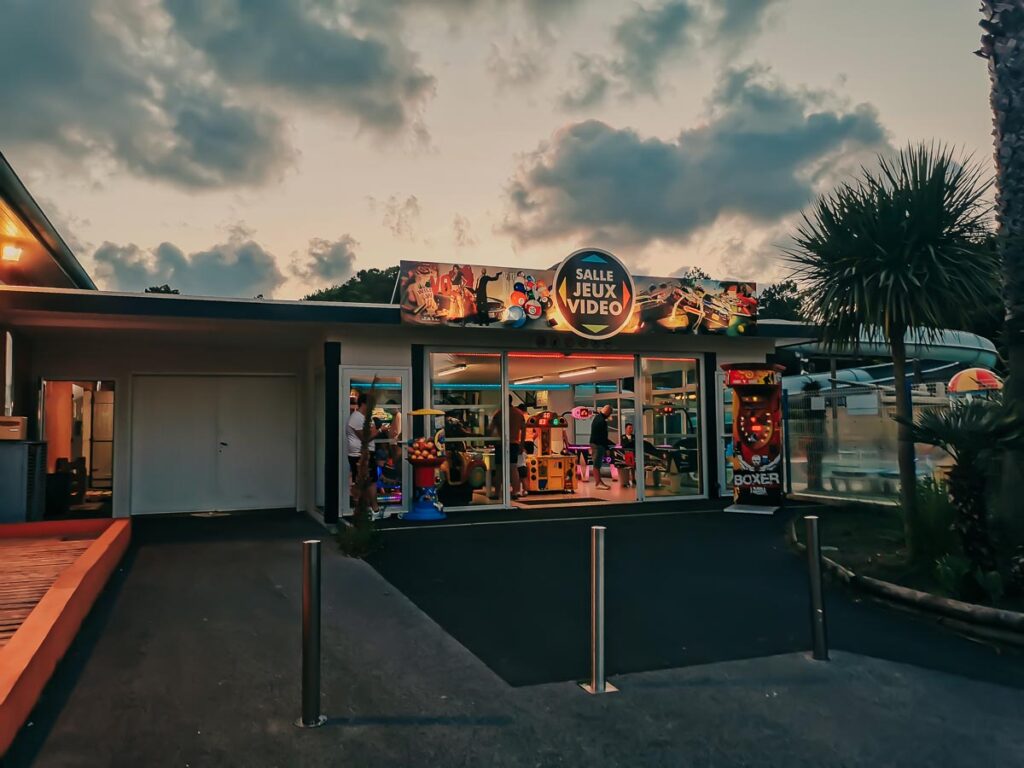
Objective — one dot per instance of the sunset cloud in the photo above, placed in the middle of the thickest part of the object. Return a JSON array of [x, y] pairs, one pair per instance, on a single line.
[[84, 94], [762, 154], [237, 267]]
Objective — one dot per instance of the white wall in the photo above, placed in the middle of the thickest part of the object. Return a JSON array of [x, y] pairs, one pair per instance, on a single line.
[[116, 356]]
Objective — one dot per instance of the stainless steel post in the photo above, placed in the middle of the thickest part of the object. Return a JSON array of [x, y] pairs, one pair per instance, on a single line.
[[311, 717], [819, 635], [597, 683]]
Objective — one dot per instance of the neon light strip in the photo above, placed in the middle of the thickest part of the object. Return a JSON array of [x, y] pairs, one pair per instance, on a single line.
[[378, 385], [563, 355]]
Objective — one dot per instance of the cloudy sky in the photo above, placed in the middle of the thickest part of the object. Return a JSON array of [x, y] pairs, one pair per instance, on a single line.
[[236, 147]]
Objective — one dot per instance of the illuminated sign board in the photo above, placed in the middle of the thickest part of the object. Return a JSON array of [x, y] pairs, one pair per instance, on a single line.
[[590, 294]]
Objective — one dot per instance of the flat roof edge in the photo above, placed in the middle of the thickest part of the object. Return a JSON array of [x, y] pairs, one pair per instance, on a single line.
[[163, 305]]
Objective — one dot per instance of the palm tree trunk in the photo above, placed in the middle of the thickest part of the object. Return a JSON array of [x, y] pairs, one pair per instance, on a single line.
[[905, 441], [1003, 46]]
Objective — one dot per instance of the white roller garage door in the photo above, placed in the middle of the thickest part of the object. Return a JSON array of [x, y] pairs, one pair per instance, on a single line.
[[207, 443]]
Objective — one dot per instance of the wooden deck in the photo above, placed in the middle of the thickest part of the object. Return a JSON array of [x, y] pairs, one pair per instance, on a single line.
[[28, 568]]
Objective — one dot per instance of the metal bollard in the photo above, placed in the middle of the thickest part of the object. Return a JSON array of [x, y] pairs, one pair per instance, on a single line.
[[311, 717], [597, 683], [819, 634]]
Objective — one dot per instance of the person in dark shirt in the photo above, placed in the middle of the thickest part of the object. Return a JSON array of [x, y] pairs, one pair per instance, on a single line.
[[628, 441], [482, 316], [599, 443]]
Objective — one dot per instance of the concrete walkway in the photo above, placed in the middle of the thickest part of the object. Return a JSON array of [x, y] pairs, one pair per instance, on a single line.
[[192, 660]]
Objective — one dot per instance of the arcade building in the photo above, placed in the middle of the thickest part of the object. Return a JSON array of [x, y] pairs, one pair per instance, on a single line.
[[137, 404]]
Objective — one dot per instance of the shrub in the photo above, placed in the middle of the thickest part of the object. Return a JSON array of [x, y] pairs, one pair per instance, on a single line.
[[952, 572], [961, 581], [360, 538], [936, 516]]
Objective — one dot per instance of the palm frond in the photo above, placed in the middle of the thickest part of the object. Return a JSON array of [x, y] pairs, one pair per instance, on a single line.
[[902, 247], [969, 430]]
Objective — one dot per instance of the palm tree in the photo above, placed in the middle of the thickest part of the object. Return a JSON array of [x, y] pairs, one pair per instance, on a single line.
[[898, 251], [1003, 46]]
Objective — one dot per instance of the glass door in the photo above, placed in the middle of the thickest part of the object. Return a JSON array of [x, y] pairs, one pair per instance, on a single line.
[[724, 433], [382, 396]]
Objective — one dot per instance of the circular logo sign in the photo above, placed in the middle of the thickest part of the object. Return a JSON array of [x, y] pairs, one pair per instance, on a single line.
[[594, 293]]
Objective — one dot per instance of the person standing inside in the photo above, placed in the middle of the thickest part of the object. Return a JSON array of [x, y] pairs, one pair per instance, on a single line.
[[494, 430], [395, 433], [628, 456], [516, 438], [354, 440], [599, 443]]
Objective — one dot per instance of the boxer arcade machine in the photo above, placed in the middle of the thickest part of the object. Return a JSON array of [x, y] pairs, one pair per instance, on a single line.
[[757, 458]]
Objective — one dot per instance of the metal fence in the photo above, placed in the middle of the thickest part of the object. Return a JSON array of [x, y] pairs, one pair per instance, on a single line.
[[842, 441]]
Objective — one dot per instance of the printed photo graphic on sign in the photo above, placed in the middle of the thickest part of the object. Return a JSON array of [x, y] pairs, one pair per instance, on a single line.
[[590, 293], [468, 295]]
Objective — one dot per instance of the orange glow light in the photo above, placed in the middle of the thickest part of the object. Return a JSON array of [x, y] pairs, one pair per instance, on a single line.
[[11, 253]]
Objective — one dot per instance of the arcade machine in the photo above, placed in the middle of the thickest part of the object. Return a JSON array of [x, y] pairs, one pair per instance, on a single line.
[[548, 472], [756, 436], [389, 470], [425, 455]]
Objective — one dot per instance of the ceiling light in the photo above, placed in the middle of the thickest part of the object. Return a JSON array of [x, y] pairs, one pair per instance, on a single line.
[[453, 369], [529, 380], [11, 253], [577, 372]]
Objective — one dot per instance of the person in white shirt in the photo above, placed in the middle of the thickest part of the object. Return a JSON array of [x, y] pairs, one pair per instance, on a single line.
[[354, 435]]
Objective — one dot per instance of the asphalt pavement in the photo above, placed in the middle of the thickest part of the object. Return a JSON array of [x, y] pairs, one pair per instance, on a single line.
[[191, 658], [681, 590]]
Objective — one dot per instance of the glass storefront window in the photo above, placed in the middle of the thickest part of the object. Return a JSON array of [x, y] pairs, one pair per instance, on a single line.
[[558, 395], [467, 387], [671, 427]]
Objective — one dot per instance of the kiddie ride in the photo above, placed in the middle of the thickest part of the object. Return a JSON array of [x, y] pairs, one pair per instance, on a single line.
[[425, 456], [548, 472], [756, 436]]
